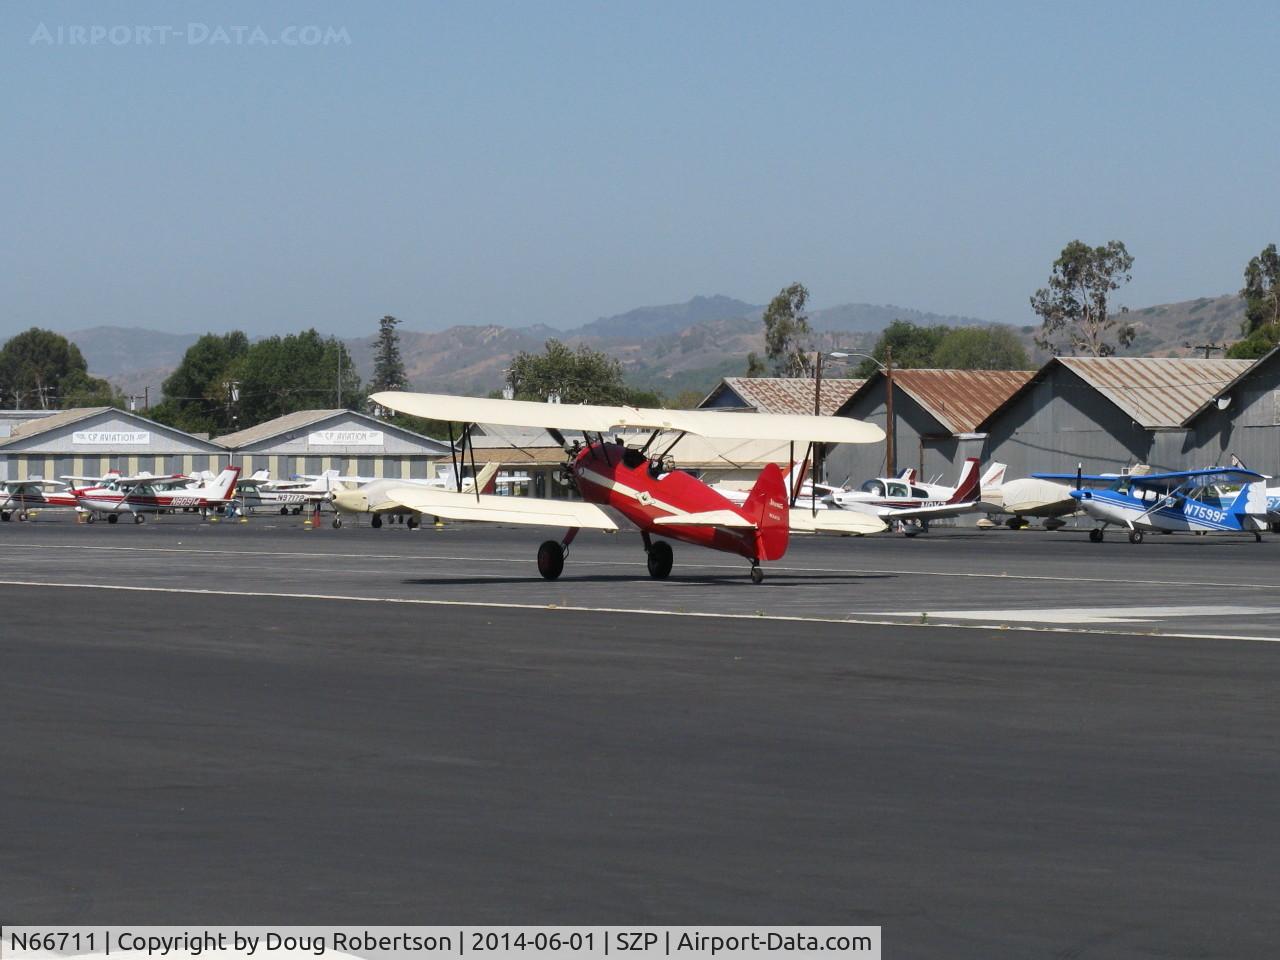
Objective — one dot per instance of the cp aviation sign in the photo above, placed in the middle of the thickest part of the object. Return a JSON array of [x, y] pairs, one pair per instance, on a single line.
[[111, 438]]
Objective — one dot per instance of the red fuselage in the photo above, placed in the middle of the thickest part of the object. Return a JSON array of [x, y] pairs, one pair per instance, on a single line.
[[623, 478]]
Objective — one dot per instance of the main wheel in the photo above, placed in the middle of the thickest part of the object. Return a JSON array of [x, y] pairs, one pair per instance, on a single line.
[[757, 575], [1135, 536], [90, 518], [23, 515], [660, 559], [337, 521], [550, 559], [139, 517], [4, 516], [376, 522], [1096, 534], [284, 511], [113, 518], [414, 522]]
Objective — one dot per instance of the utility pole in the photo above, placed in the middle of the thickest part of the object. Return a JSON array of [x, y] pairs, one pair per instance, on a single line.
[[1206, 347], [338, 346], [817, 412], [891, 426]]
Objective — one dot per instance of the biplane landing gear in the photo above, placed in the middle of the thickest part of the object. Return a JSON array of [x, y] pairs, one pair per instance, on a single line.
[[113, 518], [1135, 536], [1095, 535], [660, 559], [550, 559], [757, 575]]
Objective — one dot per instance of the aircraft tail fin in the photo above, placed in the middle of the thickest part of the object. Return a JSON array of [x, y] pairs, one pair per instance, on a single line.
[[224, 485], [487, 478], [908, 474], [994, 477], [766, 506], [969, 487], [1251, 500], [795, 479]]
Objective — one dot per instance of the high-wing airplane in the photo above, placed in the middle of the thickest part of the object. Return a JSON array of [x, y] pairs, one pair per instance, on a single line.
[[894, 499], [140, 495], [18, 497], [374, 497], [1184, 500], [634, 484]]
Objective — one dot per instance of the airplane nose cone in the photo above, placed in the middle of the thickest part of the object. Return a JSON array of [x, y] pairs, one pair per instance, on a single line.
[[350, 501]]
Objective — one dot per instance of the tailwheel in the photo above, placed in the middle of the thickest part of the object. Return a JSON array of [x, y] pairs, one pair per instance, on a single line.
[[1135, 536], [337, 521], [113, 518], [1096, 534], [757, 575], [550, 559], [376, 522], [660, 559]]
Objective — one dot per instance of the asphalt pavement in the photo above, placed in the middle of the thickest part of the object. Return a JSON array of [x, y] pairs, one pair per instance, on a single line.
[[262, 723]]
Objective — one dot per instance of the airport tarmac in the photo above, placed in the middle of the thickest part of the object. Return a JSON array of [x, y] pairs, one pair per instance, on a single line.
[[990, 743]]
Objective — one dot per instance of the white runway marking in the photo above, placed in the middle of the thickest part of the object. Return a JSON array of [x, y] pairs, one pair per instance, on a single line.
[[1091, 614], [740, 566], [865, 620]]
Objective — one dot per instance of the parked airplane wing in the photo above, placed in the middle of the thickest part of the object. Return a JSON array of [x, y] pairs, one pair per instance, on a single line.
[[934, 512], [494, 509], [853, 522], [708, 518], [600, 419]]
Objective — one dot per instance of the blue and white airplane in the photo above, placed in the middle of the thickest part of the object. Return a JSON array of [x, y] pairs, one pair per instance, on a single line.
[[1186, 500]]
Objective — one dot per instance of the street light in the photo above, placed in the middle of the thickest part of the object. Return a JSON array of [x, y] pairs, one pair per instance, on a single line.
[[890, 424]]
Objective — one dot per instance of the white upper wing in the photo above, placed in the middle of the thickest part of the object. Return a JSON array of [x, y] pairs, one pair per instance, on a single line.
[[567, 416], [494, 509]]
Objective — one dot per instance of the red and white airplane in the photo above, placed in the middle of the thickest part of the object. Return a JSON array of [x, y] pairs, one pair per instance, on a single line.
[[140, 495], [913, 505], [19, 497], [635, 486]]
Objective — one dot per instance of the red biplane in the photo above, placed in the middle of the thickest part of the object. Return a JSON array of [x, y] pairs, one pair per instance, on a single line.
[[639, 485]]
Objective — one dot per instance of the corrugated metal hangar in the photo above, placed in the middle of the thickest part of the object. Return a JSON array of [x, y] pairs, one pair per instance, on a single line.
[[90, 441], [355, 444]]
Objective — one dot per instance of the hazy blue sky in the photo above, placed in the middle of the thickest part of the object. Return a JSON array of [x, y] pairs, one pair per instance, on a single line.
[[520, 163]]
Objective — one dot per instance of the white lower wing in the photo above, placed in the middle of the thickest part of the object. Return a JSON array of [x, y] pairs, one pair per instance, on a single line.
[[834, 521], [933, 513], [494, 509]]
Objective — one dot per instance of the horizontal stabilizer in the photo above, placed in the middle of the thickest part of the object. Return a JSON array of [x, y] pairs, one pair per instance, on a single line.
[[709, 518], [494, 509]]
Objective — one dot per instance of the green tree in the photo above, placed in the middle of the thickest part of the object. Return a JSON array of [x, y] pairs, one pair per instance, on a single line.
[[577, 376], [388, 366], [1261, 294], [196, 394], [912, 346], [979, 348], [787, 333], [301, 371], [1073, 308], [44, 370], [755, 366]]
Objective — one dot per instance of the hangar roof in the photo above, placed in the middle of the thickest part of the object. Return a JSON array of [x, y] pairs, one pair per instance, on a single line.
[[27, 429], [1225, 388], [1155, 392], [780, 394], [290, 425], [958, 399], [24, 432]]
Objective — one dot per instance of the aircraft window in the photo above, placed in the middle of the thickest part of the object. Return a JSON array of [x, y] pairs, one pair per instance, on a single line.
[[920, 492], [873, 487], [897, 489]]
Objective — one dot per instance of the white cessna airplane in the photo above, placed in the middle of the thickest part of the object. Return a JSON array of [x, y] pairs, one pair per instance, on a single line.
[[914, 505]]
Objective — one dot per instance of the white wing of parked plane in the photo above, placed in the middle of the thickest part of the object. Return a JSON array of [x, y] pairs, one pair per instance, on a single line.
[[853, 522], [601, 419], [934, 512], [495, 509]]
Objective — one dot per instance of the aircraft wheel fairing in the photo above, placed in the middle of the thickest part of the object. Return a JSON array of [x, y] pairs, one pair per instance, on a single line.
[[376, 522], [1095, 535], [1135, 536], [550, 559], [660, 559]]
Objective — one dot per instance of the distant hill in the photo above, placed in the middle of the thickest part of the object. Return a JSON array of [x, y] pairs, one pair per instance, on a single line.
[[685, 346]]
